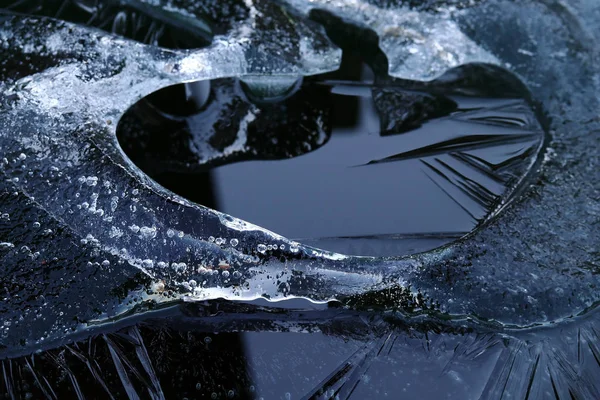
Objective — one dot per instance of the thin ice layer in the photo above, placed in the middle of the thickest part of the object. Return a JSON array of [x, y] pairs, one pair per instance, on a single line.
[[419, 44], [118, 240], [58, 128]]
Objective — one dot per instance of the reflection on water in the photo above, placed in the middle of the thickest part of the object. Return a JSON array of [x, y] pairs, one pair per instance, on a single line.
[[348, 163]]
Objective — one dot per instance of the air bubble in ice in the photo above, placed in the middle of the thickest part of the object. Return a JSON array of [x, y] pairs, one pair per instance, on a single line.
[[148, 232], [262, 248], [115, 232]]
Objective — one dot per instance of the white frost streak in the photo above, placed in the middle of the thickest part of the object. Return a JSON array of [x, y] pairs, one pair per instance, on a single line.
[[242, 137]]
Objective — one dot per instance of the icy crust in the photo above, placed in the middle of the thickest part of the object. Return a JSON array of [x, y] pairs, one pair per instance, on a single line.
[[60, 157], [419, 44], [86, 237], [247, 29], [539, 261]]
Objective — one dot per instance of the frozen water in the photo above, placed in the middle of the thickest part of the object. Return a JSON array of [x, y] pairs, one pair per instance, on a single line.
[[63, 88], [419, 44]]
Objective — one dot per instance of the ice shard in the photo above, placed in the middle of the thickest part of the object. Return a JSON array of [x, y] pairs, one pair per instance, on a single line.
[[88, 239]]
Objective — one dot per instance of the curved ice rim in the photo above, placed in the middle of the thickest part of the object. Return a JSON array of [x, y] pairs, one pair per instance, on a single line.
[[154, 189]]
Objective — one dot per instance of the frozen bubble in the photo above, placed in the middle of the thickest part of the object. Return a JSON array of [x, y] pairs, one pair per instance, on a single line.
[[114, 201], [91, 181], [181, 267], [105, 263], [162, 264], [170, 233], [134, 228], [5, 216], [234, 242], [22, 156], [148, 263], [36, 224], [262, 248], [192, 283], [211, 239], [115, 232], [219, 241], [148, 232], [225, 274], [158, 286], [207, 339]]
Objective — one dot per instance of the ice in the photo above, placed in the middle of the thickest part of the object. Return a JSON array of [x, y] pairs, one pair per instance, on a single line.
[[419, 44], [63, 89]]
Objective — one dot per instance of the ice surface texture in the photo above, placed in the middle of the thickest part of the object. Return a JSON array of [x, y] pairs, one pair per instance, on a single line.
[[87, 238]]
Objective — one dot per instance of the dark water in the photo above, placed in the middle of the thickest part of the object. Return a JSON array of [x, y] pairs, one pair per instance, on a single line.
[[388, 169]]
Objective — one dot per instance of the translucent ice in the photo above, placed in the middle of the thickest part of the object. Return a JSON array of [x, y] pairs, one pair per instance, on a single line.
[[112, 243]]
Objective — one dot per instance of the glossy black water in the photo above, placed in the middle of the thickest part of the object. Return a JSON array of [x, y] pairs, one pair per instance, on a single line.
[[357, 166]]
